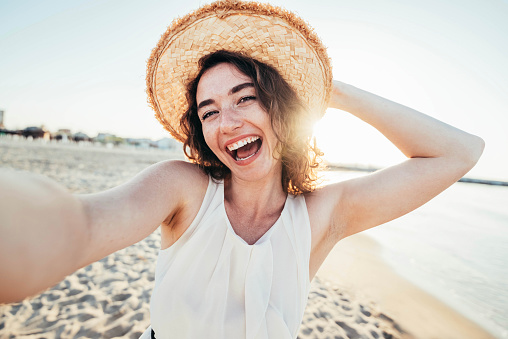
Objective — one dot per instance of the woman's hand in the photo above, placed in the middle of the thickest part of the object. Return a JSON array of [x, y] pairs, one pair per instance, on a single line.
[[336, 96]]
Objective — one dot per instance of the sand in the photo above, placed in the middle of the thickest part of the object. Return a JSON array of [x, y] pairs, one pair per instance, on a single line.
[[353, 296]]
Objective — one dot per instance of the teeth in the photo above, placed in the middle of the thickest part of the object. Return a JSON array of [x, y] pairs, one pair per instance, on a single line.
[[242, 143], [238, 159]]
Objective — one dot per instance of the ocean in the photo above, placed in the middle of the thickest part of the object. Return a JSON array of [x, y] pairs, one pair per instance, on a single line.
[[455, 247]]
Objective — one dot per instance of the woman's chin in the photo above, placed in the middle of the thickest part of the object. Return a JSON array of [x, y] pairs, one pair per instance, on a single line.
[[260, 172]]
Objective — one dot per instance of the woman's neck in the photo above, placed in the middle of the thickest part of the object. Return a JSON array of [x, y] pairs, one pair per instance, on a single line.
[[256, 199]]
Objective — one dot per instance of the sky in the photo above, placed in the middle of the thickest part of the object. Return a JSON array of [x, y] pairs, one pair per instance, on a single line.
[[81, 65]]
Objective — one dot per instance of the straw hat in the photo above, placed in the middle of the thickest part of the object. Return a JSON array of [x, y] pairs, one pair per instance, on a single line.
[[268, 34]]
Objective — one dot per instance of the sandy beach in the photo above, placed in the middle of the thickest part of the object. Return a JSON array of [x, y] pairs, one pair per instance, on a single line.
[[355, 294]]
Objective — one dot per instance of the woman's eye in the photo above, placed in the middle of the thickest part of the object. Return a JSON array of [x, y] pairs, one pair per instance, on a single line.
[[208, 114], [247, 98]]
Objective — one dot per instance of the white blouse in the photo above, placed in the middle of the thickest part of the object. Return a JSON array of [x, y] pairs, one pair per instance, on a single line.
[[211, 284]]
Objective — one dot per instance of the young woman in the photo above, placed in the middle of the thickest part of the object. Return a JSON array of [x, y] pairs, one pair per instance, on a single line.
[[244, 228]]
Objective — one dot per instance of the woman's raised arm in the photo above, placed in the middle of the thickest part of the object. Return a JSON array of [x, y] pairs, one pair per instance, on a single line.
[[47, 233], [439, 155]]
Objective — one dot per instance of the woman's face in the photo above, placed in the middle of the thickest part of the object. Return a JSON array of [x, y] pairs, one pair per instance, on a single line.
[[235, 126]]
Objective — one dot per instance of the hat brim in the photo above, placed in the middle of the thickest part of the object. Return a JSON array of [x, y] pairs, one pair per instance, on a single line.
[[268, 34]]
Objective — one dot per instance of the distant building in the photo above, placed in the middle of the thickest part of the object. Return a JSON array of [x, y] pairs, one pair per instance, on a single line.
[[103, 136], [79, 136], [36, 133], [109, 139], [2, 119], [167, 143], [142, 143], [64, 131], [63, 134]]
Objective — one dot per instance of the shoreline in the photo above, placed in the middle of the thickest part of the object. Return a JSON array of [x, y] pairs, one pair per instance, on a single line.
[[358, 168], [355, 262]]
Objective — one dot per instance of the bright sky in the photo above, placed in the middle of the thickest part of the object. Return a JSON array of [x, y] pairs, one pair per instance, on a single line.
[[81, 65]]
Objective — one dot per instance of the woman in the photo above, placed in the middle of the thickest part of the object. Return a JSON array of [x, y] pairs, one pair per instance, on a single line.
[[244, 228]]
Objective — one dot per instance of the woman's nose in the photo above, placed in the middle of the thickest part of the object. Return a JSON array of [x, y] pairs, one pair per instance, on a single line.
[[230, 120]]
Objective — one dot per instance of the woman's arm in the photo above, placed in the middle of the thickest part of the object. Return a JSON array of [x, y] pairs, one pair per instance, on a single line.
[[47, 233], [417, 135], [42, 228], [439, 155]]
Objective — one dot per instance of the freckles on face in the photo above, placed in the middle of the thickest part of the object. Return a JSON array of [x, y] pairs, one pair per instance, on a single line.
[[235, 126], [221, 93], [218, 84]]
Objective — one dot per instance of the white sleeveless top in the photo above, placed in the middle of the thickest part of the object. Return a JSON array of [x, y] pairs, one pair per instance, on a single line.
[[211, 284]]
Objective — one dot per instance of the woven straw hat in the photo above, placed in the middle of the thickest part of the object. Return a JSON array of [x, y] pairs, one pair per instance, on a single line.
[[268, 34]]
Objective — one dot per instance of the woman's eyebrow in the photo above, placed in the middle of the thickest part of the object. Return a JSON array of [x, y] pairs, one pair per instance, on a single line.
[[233, 90], [205, 103], [238, 88]]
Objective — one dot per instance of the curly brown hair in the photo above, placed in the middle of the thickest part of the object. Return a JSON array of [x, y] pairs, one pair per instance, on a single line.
[[289, 117]]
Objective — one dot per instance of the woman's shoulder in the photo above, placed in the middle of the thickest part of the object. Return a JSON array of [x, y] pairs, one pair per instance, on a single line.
[[184, 180], [181, 173], [190, 185]]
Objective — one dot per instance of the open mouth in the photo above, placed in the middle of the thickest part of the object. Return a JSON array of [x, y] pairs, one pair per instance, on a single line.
[[245, 148]]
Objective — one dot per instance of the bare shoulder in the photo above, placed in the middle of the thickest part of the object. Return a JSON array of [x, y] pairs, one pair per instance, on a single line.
[[178, 168], [190, 183], [190, 179], [186, 182], [179, 173]]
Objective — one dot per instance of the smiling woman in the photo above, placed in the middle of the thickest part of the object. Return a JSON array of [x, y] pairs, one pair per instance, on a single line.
[[256, 91], [243, 227]]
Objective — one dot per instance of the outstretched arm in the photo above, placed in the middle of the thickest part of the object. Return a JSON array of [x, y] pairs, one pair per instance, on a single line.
[[47, 233], [42, 230], [439, 155]]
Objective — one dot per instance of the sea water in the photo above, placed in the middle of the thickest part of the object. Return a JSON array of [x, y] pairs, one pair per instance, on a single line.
[[455, 247]]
